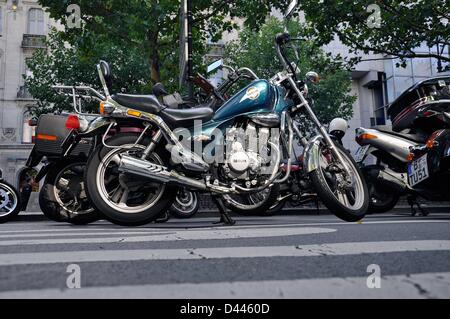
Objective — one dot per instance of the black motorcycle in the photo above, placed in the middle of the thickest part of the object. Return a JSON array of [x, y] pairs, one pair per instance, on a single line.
[[63, 144]]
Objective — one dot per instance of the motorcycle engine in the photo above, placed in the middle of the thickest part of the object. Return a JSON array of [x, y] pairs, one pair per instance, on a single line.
[[243, 160]]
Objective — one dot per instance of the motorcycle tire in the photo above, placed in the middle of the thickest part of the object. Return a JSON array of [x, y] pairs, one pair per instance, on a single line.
[[382, 199], [52, 205], [248, 207], [97, 167], [10, 203], [186, 205], [328, 197]]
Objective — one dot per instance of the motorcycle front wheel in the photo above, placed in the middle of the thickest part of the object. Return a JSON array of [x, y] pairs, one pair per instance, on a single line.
[[9, 202], [346, 197], [124, 199]]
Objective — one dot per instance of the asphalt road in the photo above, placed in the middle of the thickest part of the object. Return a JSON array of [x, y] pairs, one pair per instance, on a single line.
[[275, 257]]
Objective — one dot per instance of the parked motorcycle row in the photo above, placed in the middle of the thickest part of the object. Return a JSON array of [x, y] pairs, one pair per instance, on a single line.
[[128, 165]]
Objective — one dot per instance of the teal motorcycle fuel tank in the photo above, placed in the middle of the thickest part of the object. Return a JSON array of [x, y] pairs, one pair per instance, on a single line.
[[257, 97]]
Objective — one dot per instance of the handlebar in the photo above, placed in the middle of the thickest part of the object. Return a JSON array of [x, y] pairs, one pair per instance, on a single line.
[[281, 40]]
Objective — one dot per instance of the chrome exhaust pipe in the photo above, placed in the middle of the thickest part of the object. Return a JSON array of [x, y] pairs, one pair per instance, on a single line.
[[393, 183], [158, 173]]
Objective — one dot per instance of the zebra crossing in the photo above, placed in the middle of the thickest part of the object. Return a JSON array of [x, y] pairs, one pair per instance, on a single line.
[[279, 260]]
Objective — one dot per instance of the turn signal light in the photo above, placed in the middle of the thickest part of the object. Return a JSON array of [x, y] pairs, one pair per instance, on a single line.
[[410, 157], [366, 136], [106, 108], [134, 113], [430, 144]]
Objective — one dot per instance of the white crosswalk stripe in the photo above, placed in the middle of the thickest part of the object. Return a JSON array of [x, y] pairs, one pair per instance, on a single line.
[[89, 238]]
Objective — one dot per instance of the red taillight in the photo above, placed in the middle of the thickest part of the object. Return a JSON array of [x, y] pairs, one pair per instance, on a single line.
[[73, 123]]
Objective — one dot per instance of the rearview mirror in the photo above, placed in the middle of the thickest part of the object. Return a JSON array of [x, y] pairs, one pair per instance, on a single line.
[[215, 65], [291, 8]]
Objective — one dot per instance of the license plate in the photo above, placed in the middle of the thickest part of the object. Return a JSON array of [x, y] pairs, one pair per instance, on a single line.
[[418, 170], [361, 153]]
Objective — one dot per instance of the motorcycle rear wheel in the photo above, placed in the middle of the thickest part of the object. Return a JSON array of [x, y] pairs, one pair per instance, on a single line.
[[59, 204], [143, 201]]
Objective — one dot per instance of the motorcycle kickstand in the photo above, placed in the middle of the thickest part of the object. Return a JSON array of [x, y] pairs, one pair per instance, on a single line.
[[413, 201], [225, 219], [163, 218]]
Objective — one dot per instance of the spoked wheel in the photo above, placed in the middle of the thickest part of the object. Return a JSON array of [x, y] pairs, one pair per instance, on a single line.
[[345, 195], [63, 197], [125, 199], [9, 202], [186, 204], [254, 203]]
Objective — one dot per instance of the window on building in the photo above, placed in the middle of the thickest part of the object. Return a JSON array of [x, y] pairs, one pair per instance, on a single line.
[[36, 21], [379, 107], [28, 132]]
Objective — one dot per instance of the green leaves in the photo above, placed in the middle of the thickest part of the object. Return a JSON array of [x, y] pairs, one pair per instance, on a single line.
[[257, 51], [402, 26]]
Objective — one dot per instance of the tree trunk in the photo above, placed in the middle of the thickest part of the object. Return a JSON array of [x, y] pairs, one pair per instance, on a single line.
[[154, 57]]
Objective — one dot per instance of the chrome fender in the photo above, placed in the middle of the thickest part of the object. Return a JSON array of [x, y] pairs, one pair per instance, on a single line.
[[311, 154]]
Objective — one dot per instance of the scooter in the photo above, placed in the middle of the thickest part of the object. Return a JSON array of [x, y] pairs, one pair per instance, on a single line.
[[412, 157]]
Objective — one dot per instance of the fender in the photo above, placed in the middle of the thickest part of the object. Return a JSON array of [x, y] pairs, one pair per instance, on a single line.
[[96, 127], [311, 158]]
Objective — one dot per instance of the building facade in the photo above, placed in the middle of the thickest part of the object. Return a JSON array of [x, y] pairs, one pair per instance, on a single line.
[[23, 27]]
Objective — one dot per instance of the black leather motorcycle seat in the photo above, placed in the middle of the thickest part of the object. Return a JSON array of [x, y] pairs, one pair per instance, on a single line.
[[145, 103], [186, 117], [415, 137]]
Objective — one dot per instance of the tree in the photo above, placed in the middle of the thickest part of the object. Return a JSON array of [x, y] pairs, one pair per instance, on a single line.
[[381, 26], [70, 65], [257, 51], [152, 26]]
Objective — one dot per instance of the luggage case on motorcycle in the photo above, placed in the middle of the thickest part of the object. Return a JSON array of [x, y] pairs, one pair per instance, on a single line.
[[410, 106], [51, 132]]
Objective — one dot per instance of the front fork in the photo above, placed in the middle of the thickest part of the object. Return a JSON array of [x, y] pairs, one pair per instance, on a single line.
[[322, 130]]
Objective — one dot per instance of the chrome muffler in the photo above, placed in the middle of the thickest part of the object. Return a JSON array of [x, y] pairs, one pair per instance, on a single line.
[[158, 173], [397, 146], [394, 182]]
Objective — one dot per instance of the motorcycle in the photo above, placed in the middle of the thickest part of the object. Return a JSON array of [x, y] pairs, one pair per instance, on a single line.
[[10, 204], [63, 144], [296, 191], [132, 178], [412, 158]]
